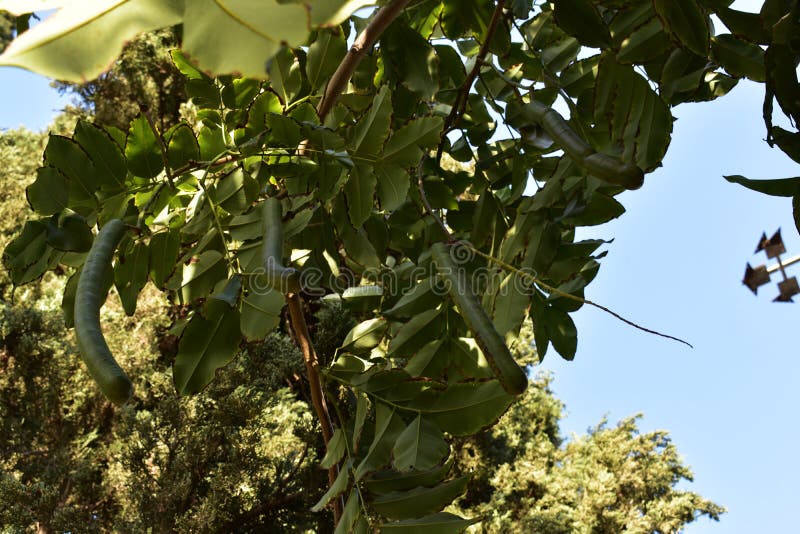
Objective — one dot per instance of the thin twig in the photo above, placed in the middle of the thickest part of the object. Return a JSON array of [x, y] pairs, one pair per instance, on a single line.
[[570, 296], [365, 40], [463, 95], [303, 339]]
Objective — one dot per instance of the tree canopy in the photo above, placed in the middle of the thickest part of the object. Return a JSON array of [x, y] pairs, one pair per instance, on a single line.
[[424, 164]]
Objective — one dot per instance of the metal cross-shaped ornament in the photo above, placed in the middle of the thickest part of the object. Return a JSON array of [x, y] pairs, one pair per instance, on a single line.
[[754, 277]]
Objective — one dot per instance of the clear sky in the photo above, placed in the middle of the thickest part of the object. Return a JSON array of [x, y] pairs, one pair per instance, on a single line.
[[676, 266]]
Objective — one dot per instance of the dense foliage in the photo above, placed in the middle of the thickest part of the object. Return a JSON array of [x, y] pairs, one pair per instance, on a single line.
[[324, 176], [222, 460]]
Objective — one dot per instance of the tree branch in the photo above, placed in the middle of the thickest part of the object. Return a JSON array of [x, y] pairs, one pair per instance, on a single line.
[[303, 339], [461, 100], [362, 44]]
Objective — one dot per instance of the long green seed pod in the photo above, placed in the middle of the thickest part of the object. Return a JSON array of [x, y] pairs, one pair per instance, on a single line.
[[603, 166], [283, 279], [89, 298], [508, 372]]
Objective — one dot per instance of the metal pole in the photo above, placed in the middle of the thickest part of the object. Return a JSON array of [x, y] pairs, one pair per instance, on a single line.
[[780, 265]]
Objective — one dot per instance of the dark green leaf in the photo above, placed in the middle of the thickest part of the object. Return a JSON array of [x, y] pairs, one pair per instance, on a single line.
[[421, 446], [562, 332], [581, 19], [182, 147], [164, 248], [365, 336], [143, 150], [339, 486], [419, 501], [416, 332], [686, 22], [739, 57], [465, 408], [208, 342], [130, 275], [105, 153], [440, 523], [49, 193], [324, 55], [261, 312], [70, 234], [782, 187], [334, 450]]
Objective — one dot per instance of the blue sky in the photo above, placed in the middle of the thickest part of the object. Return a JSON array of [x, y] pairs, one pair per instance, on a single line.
[[676, 266]]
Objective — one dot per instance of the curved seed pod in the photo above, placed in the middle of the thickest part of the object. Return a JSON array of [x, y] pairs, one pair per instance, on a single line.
[[508, 372], [603, 166], [283, 279], [89, 298]]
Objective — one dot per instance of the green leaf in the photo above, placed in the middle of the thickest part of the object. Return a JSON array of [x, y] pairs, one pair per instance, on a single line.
[[686, 22], [187, 68], [562, 332], [418, 299], [464, 408], [372, 129], [230, 292], [164, 249], [198, 277], [81, 40], [365, 336], [350, 514], [234, 192], [324, 56], [410, 60], [49, 193], [636, 116], [510, 305], [403, 148], [208, 342], [182, 147], [143, 150], [27, 256], [738, 57], [362, 407], [261, 312], [211, 142], [581, 19], [284, 75], [339, 486], [70, 234], [391, 480], [440, 523], [67, 156], [335, 450], [460, 18], [745, 25], [416, 332], [419, 501], [387, 427], [105, 153], [130, 275], [646, 43], [393, 185], [420, 446], [782, 187], [796, 211], [360, 193]]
